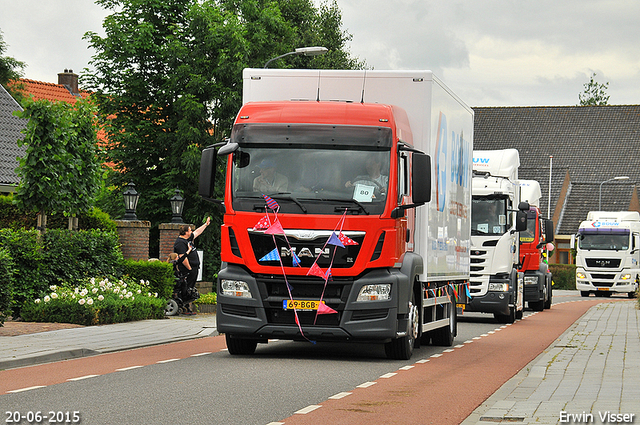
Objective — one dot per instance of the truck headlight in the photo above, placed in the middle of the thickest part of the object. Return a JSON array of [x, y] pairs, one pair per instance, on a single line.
[[530, 280], [499, 287], [581, 275], [625, 276], [377, 292], [235, 288]]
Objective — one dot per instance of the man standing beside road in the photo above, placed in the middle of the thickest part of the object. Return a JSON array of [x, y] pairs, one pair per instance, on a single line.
[[191, 262]]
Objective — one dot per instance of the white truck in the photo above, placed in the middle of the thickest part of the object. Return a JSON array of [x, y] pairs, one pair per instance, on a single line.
[[495, 285], [382, 158], [608, 253]]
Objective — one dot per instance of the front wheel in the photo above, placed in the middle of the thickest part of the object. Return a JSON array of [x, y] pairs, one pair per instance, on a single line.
[[402, 348], [172, 308], [584, 293], [507, 318]]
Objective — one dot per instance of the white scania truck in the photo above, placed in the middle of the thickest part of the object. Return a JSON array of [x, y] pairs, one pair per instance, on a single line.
[[495, 285], [608, 253]]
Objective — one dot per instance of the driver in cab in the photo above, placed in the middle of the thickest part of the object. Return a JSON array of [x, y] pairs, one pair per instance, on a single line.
[[372, 178]]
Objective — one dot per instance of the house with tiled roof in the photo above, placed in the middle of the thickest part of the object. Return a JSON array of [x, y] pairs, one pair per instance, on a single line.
[[10, 126], [574, 152]]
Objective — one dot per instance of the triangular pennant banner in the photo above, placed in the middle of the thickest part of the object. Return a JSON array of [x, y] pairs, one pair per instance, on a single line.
[[271, 203], [315, 270], [263, 224], [325, 309], [328, 275], [271, 256], [295, 259], [275, 229], [334, 240], [346, 240]]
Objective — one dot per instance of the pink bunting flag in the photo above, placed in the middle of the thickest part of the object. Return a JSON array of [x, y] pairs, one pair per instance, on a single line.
[[325, 309], [263, 224], [275, 229], [315, 270], [346, 240]]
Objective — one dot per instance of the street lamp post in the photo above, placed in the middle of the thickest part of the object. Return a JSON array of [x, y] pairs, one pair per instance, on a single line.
[[306, 51], [607, 181], [177, 204], [131, 197]]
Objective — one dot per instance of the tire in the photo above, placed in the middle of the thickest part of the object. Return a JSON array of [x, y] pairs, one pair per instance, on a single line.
[[547, 303], [536, 305], [507, 318], [631, 294], [172, 308], [402, 348], [444, 336], [241, 346], [584, 293]]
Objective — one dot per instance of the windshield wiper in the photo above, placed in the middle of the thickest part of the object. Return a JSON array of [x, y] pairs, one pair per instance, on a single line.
[[289, 197], [353, 201]]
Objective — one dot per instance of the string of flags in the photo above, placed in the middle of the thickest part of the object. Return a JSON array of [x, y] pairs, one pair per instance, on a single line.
[[337, 240]]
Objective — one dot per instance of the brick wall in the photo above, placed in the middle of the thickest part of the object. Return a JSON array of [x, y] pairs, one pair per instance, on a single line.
[[134, 238]]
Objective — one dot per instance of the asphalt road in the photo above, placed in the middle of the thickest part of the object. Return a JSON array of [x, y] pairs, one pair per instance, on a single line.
[[199, 382]]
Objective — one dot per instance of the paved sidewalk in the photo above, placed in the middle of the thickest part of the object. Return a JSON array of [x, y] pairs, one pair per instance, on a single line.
[[44, 347], [590, 373]]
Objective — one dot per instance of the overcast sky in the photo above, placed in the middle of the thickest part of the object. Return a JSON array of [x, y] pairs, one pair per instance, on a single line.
[[490, 52]]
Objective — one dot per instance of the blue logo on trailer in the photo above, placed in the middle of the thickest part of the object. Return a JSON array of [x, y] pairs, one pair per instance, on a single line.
[[441, 163]]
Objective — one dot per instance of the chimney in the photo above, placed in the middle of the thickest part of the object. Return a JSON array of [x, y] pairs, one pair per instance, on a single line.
[[70, 81]]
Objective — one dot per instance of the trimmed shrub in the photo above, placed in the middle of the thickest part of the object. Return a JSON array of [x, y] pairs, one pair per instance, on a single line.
[[6, 284], [96, 303], [25, 250], [564, 276], [159, 274], [73, 256]]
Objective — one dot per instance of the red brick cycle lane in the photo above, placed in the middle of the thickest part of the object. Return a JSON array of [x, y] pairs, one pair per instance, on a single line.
[[446, 389]]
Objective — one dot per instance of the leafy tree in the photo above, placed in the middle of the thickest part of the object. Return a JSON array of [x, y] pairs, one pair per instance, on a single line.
[[595, 94], [10, 70], [168, 74], [60, 171]]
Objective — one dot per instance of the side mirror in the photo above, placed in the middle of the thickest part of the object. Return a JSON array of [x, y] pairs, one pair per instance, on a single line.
[[521, 221], [421, 178], [548, 230], [572, 244], [207, 180], [524, 206]]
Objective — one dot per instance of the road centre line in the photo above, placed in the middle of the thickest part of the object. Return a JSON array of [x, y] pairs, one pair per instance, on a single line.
[[308, 409], [79, 378], [339, 395], [26, 389]]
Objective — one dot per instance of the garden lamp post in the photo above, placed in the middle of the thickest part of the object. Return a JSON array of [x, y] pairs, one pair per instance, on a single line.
[[130, 202], [607, 181], [306, 51], [177, 204]]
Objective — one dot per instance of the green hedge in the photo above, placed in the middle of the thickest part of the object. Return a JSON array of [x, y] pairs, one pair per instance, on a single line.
[[56, 257], [158, 273], [564, 276], [6, 284]]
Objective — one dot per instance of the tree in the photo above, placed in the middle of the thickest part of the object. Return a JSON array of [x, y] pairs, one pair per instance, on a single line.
[[595, 94], [10, 70], [60, 171], [168, 74]]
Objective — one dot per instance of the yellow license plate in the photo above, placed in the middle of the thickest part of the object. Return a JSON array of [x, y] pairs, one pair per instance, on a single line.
[[300, 304], [461, 306], [603, 289]]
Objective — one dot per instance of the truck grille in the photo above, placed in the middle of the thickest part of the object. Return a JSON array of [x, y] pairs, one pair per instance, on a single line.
[[306, 250], [609, 263]]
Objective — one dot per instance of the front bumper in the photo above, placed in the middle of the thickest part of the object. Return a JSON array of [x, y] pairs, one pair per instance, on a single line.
[[263, 317]]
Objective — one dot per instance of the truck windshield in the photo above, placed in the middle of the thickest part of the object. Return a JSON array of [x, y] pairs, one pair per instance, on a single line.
[[489, 216], [529, 235], [313, 179], [607, 240]]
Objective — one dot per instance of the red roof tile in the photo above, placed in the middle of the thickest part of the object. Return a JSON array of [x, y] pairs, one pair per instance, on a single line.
[[50, 91]]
